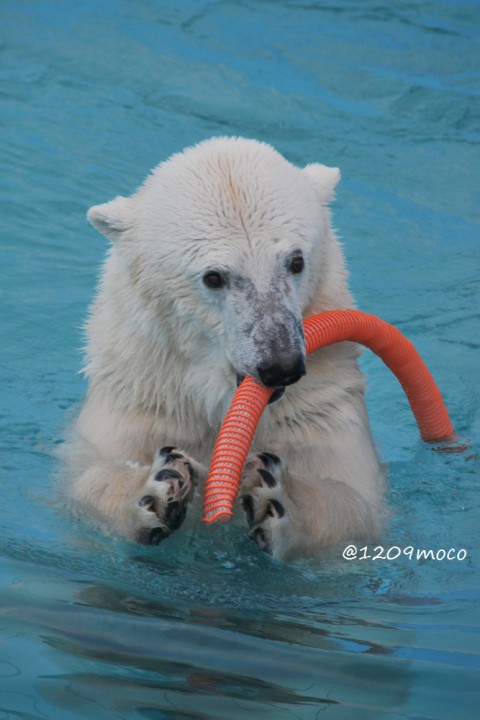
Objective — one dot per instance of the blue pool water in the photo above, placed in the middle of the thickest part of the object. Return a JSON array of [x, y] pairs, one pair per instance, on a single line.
[[93, 94]]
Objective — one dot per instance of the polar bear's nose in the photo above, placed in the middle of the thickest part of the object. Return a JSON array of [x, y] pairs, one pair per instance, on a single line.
[[285, 372]]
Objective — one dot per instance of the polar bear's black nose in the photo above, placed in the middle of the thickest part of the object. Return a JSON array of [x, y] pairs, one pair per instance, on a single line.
[[286, 372]]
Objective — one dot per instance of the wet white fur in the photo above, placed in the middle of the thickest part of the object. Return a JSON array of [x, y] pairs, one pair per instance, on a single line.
[[164, 350]]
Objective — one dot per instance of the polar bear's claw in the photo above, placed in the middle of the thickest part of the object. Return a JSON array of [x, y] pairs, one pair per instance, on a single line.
[[152, 537], [249, 508], [267, 477], [258, 536], [269, 459], [168, 474]]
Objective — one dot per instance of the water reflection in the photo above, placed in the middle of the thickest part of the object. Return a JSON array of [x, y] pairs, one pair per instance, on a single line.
[[128, 655]]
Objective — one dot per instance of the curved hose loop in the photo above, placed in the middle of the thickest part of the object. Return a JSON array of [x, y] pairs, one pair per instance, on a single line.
[[398, 353]]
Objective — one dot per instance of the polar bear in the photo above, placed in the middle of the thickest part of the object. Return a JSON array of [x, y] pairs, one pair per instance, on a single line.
[[213, 264]]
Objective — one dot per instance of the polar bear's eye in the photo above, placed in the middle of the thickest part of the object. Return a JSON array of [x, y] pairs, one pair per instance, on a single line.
[[297, 264], [214, 280]]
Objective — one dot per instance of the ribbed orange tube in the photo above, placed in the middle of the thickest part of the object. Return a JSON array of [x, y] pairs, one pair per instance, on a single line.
[[398, 353]]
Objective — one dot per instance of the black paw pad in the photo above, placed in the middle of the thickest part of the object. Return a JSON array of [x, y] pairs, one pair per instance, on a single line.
[[171, 455], [258, 536], [269, 459], [167, 474], [276, 509], [149, 536], [175, 514], [267, 477], [248, 506], [193, 474], [166, 450], [147, 502]]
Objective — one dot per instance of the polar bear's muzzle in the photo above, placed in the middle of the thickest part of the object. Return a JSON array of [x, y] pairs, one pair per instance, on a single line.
[[265, 336]]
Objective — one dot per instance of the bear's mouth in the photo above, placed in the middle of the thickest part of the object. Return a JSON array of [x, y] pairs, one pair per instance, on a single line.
[[276, 395]]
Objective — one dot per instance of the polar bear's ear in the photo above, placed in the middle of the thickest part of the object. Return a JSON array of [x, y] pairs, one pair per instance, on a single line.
[[324, 180], [112, 219]]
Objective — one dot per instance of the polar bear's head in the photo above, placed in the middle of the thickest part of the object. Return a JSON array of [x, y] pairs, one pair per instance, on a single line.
[[227, 245]]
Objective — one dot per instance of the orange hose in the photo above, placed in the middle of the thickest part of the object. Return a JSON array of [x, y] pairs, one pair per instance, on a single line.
[[398, 354]]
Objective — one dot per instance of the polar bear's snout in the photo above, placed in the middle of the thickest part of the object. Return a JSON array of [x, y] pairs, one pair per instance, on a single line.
[[265, 337]]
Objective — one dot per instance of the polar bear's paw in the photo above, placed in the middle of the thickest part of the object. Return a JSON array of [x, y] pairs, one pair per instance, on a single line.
[[166, 494], [264, 500]]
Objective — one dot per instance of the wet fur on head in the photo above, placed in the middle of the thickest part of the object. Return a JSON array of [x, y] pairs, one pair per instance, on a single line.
[[235, 206]]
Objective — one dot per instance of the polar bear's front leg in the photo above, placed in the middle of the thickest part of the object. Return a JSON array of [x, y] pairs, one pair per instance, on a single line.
[[291, 516], [142, 503]]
